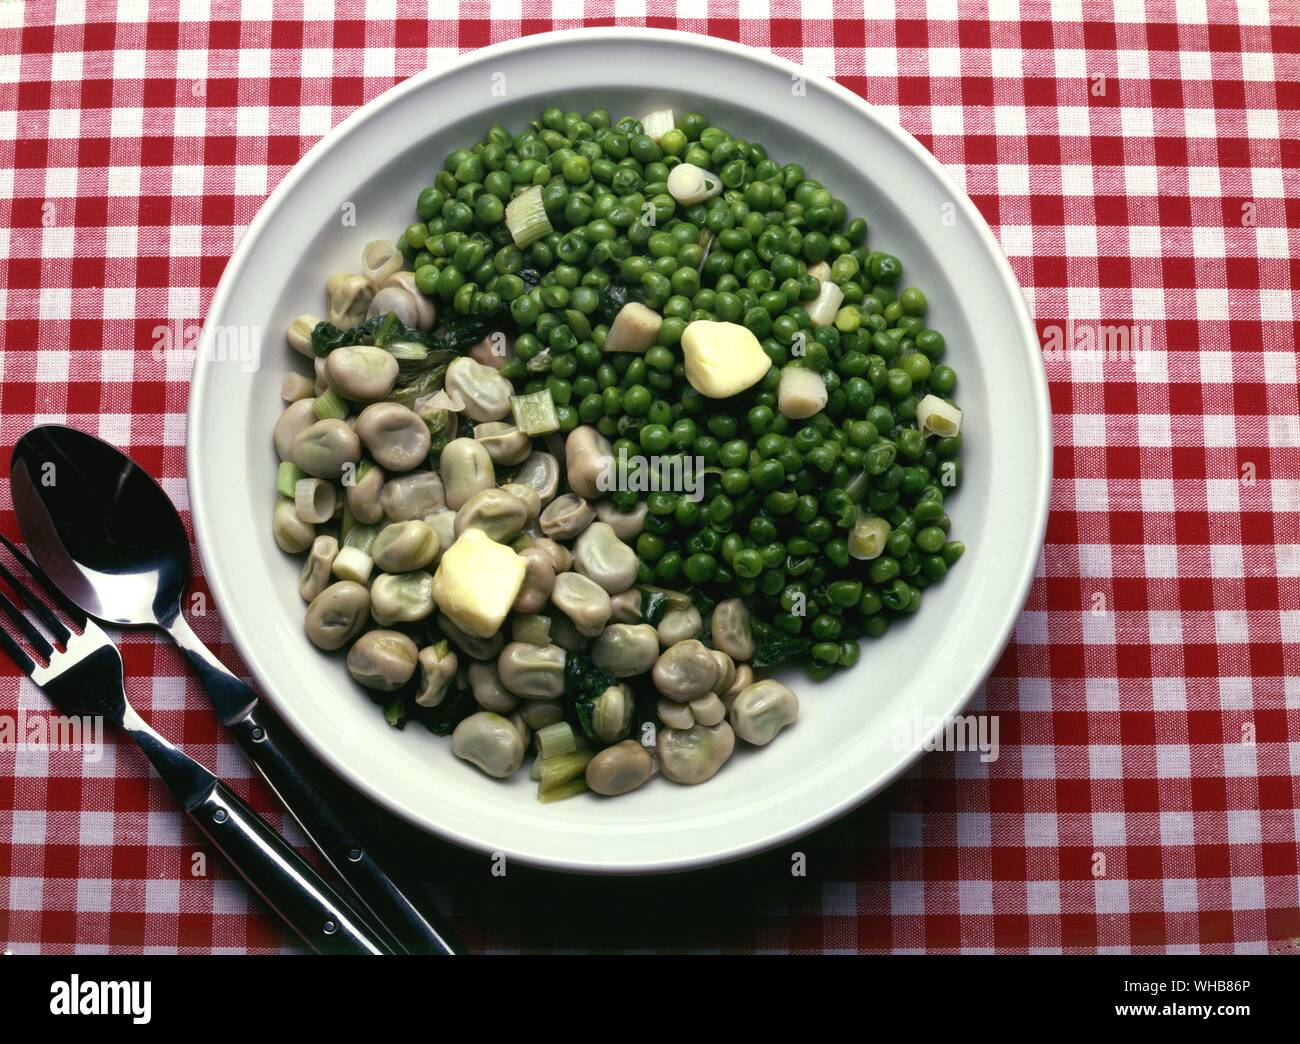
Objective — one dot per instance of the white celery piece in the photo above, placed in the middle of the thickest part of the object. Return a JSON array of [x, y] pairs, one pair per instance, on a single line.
[[689, 184], [801, 393], [526, 217], [477, 582], [534, 413], [722, 359], [634, 329], [822, 308], [934, 415], [658, 123]]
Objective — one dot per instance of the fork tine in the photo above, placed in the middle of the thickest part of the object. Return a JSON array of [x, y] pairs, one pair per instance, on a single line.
[[25, 662], [52, 622], [23, 624]]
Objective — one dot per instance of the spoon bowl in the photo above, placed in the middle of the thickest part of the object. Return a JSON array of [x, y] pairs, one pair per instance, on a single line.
[[110, 538], [100, 525]]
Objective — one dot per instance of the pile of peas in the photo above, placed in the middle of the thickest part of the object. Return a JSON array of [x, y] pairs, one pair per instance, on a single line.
[[780, 496]]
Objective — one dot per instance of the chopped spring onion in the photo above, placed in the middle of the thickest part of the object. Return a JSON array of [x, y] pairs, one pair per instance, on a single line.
[[407, 351], [330, 406], [658, 123], [634, 329], [314, 500], [822, 308], [801, 393], [563, 769], [934, 415], [556, 740], [535, 771], [526, 217], [821, 271], [361, 536], [287, 477], [531, 628], [346, 521], [351, 563], [689, 184], [867, 538], [564, 790], [535, 412]]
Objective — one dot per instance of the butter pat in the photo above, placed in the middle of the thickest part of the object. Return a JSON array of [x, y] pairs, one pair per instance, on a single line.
[[477, 582], [722, 359]]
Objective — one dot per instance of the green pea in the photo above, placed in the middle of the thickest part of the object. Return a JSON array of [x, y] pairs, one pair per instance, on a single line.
[[701, 567], [687, 513], [943, 379], [654, 438], [844, 594]]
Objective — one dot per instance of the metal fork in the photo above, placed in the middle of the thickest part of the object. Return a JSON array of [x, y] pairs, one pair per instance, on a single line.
[[85, 677]]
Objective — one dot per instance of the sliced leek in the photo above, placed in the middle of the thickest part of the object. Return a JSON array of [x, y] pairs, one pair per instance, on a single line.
[[330, 406], [822, 308], [801, 393], [534, 413], [526, 217], [658, 123], [556, 740], [635, 329], [361, 536], [314, 500], [689, 184], [565, 790], [867, 538], [935, 416], [563, 769], [286, 480], [351, 563], [821, 271]]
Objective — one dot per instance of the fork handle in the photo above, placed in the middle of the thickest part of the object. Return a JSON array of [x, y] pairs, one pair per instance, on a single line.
[[314, 799], [280, 876]]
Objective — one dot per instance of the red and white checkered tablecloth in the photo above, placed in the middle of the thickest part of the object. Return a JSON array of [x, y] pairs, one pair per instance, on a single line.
[[1140, 164]]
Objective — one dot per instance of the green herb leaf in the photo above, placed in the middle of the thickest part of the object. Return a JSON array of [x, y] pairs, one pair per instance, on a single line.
[[772, 647], [584, 683]]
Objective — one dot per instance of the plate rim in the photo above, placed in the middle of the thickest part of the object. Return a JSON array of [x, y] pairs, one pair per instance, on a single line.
[[1039, 394]]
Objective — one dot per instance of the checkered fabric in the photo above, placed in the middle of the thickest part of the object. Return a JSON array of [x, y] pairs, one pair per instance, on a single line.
[[1139, 164]]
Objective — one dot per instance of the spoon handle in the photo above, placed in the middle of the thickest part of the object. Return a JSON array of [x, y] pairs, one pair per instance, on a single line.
[[312, 797]]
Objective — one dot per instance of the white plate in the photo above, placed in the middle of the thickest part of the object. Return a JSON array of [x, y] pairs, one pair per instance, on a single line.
[[845, 745]]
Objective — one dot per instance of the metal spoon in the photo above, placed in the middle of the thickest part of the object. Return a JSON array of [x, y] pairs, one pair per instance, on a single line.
[[109, 536]]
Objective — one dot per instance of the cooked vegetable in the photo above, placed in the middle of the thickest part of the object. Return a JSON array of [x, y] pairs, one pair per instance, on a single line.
[[316, 567], [615, 353], [337, 615], [935, 415], [762, 710], [526, 217], [382, 660], [619, 769], [534, 413], [489, 742], [694, 755], [292, 534]]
